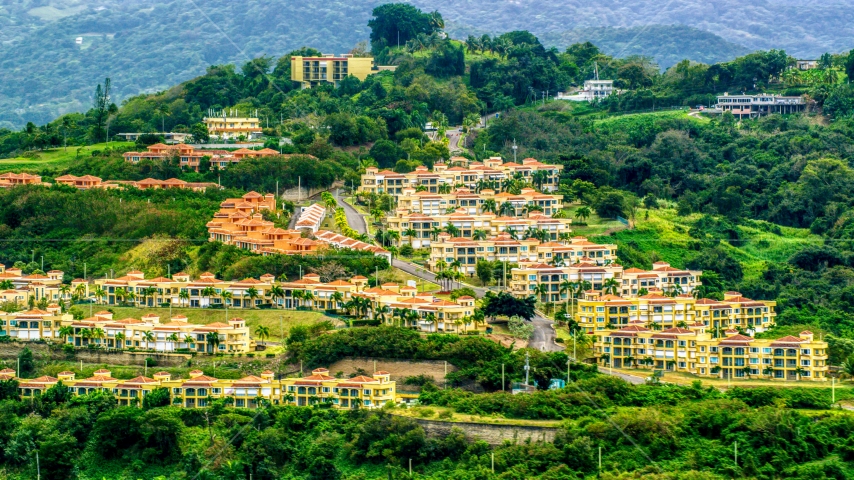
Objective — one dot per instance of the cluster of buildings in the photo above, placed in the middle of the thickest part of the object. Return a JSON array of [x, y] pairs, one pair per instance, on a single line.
[[8, 180], [199, 389], [464, 174], [190, 158], [240, 222]]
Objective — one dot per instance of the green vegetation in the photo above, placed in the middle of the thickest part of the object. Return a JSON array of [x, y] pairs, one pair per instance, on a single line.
[[59, 158]]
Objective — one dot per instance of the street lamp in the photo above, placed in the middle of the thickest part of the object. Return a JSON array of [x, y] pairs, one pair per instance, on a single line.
[[515, 147]]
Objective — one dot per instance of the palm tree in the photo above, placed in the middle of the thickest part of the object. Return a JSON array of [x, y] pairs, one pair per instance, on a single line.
[[120, 340], [130, 297], [411, 317], [184, 296], [276, 292], [6, 285], [252, 292], [163, 110], [798, 372], [479, 235], [444, 188], [148, 337], [410, 233], [262, 332], [309, 298], [542, 290], [65, 332], [298, 295], [489, 205], [768, 371], [208, 292], [583, 213], [434, 233], [98, 334], [212, 339], [79, 291], [100, 294], [566, 287], [431, 317], [189, 340], [611, 286], [85, 334], [381, 312], [337, 298], [606, 358], [452, 230], [629, 361], [174, 339], [507, 210], [64, 290], [226, 297], [121, 294]]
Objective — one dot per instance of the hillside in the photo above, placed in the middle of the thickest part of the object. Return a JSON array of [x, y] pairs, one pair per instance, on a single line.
[[148, 45], [667, 44]]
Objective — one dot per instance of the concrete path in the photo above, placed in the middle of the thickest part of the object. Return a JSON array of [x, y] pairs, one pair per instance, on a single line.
[[633, 379]]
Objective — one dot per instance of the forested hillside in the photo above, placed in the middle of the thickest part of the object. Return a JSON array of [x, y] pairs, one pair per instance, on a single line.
[[147, 45]]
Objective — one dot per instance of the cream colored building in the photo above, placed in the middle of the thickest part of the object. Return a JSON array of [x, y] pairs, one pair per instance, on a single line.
[[528, 199], [231, 128], [490, 174], [199, 389], [313, 71], [696, 351]]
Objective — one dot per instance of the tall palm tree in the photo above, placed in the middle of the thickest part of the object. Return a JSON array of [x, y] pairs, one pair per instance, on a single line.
[[434, 233], [337, 298], [309, 298], [262, 332], [611, 286], [392, 237], [489, 205], [381, 312], [120, 340], [479, 234], [276, 292], [212, 339], [174, 339], [189, 340], [542, 290], [252, 292], [431, 317], [163, 110], [507, 209], [208, 292], [452, 230], [410, 233], [65, 332], [567, 287], [297, 295], [100, 294], [184, 296], [149, 338]]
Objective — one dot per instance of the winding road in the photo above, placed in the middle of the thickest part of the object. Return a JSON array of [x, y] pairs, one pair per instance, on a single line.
[[544, 334]]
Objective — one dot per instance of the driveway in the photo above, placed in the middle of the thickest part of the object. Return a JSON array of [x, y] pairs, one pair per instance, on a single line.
[[355, 219]]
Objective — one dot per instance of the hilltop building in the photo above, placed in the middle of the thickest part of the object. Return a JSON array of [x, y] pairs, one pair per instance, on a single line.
[[190, 157], [313, 71], [233, 128]]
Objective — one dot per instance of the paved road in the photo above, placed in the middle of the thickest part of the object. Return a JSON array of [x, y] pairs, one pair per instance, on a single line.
[[354, 218], [454, 140], [635, 380], [544, 335], [292, 223]]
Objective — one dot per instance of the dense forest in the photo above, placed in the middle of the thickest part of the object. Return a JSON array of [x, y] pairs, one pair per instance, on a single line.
[[149, 45]]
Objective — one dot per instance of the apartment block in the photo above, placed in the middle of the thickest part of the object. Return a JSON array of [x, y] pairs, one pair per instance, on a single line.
[[490, 174], [597, 312], [190, 157], [232, 128], [199, 389], [697, 351], [427, 228], [755, 106], [486, 200], [329, 69]]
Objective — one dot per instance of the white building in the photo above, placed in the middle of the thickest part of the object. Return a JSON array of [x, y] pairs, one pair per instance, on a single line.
[[755, 106], [593, 90]]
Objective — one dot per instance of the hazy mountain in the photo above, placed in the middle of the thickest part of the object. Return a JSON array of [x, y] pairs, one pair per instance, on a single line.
[[147, 45]]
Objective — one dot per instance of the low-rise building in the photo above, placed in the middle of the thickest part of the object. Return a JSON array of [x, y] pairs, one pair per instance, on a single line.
[[190, 157], [597, 312], [487, 200], [9, 179], [490, 174], [233, 128], [427, 228], [755, 106], [247, 392], [695, 350], [311, 217]]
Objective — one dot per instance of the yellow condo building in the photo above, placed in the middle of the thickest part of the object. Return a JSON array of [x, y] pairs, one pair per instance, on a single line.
[[730, 355], [313, 71], [227, 127], [199, 390]]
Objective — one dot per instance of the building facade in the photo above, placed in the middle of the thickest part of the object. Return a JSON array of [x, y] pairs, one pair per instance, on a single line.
[[755, 106], [330, 69], [696, 351], [233, 128], [199, 390]]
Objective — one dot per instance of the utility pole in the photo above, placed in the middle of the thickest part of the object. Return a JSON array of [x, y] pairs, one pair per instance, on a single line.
[[515, 147], [38, 467], [568, 363], [832, 390], [282, 327], [410, 468], [527, 367], [502, 377], [299, 189], [736, 452], [600, 459], [493, 461]]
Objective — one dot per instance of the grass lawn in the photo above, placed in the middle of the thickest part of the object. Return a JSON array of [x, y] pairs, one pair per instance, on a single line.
[[275, 320], [397, 275], [595, 224], [843, 391], [666, 234], [55, 158]]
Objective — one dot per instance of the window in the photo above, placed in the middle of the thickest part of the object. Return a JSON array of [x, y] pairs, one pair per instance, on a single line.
[[367, 392], [805, 351]]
